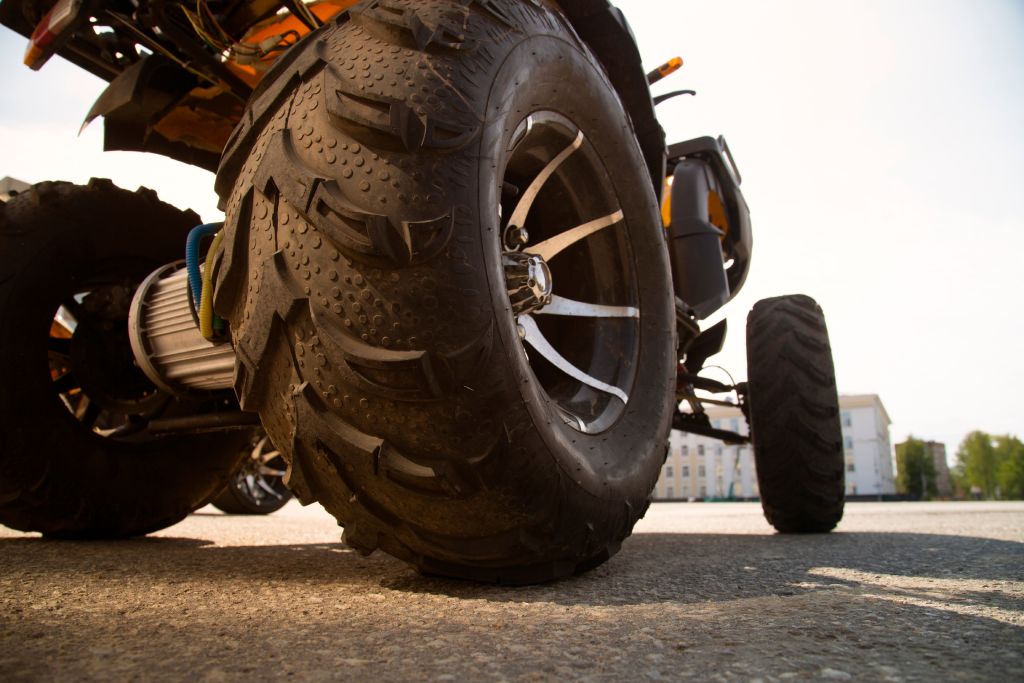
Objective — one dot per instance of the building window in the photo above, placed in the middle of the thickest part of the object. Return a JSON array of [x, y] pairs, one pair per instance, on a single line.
[[847, 419], [700, 449], [848, 442], [668, 471], [700, 472], [670, 492], [686, 471], [703, 491], [686, 449], [734, 424], [850, 467]]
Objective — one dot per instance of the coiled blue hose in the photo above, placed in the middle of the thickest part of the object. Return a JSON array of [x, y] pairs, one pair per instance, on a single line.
[[195, 237]]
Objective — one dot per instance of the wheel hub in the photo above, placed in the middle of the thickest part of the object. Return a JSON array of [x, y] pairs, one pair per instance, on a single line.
[[529, 282]]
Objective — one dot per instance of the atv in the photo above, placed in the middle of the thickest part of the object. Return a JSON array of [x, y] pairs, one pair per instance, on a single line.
[[460, 283]]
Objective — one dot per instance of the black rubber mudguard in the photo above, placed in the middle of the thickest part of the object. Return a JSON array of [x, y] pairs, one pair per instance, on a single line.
[[702, 276]]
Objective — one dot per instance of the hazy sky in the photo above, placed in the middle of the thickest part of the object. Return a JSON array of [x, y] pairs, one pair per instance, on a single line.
[[882, 155]]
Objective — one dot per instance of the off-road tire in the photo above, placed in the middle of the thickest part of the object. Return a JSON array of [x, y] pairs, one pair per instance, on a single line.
[[362, 279], [57, 477], [794, 415], [233, 501]]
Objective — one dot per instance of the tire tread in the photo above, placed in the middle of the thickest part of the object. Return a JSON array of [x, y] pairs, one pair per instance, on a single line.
[[794, 410]]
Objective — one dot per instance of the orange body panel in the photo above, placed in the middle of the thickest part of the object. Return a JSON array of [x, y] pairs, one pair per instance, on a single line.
[[277, 26]]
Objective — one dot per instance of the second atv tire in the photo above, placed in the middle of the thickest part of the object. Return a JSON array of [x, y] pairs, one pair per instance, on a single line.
[[74, 458], [257, 487], [794, 415], [385, 313]]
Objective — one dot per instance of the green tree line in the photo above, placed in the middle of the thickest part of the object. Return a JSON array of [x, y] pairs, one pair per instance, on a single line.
[[993, 464], [915, 469], [989, 466]]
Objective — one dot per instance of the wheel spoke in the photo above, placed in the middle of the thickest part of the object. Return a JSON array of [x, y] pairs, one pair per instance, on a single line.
[[268, 456], [90, 414], [554, 245], [73, 308], [250, 484], [65, 383], [518, 217], [271, 472], [537, 340], [269, 489], [561, 306], [59, 345], [257, 453]]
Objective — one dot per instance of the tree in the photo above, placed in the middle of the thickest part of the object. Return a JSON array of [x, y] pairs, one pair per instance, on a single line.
[[978, 462], [1010, 454], [915, 470]]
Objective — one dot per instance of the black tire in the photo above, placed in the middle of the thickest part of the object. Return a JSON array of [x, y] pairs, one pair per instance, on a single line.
[[58, 474], [794, 415], [364, 281], [257, 487]]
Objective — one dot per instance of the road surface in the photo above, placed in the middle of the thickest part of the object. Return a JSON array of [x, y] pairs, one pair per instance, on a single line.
[[703, 591]]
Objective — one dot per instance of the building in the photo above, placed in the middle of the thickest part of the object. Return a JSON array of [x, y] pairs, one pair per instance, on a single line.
[[699, 467], [943, 482], [10, 187], [937, 453], [869, 455]]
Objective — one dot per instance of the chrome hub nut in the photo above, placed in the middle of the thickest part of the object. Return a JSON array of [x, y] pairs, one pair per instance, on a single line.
[[528, 279]]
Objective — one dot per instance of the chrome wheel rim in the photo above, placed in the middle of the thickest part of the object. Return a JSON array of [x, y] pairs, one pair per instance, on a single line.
[[261, 476], [569, 271]]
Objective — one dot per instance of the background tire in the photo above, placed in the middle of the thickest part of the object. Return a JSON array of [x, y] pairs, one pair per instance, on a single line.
[[794, 415], [257, 487], [364, 279], [78, 252]]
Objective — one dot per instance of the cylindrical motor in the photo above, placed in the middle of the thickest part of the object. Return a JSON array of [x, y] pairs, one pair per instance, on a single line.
[[166, 340]]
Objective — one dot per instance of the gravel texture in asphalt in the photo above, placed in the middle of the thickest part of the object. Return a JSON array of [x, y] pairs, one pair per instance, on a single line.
[[704, 591]]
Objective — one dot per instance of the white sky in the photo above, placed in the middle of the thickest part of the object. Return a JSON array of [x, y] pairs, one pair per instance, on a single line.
[[882, 155]]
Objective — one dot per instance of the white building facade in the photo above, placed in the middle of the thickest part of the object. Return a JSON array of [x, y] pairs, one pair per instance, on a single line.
[[869, 455], [700, 468]]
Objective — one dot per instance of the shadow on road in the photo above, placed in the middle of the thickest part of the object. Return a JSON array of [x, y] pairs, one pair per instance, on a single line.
[[693, 568], [651, 568], [875, 604]]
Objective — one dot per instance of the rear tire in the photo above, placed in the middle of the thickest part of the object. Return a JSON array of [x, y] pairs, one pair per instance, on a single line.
[[794, 415], [366, 282], [257, 487], [70, 258]]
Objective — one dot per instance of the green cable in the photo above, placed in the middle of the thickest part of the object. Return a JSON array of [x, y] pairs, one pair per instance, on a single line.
[[206, 314]]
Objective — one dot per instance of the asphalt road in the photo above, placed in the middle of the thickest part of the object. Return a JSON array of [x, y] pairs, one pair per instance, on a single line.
[[902, 592]]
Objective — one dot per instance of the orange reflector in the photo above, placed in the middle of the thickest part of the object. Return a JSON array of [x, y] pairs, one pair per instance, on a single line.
[[664, 70], [61, 16]]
